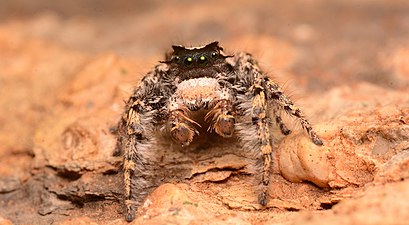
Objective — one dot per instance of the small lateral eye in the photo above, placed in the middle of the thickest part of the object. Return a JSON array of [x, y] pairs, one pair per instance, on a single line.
[[176, 58], [214, 54]]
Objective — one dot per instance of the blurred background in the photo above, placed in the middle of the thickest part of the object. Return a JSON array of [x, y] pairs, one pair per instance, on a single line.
[[333, 41]]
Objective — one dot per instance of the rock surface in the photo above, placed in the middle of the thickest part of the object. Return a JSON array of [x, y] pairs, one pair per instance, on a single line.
[[67, 68]]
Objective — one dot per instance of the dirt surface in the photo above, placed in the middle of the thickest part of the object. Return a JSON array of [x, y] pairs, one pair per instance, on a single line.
[[67, 67]]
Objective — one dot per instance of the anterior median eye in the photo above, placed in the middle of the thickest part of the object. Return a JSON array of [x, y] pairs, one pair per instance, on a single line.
[[188, 61], [202, 59]]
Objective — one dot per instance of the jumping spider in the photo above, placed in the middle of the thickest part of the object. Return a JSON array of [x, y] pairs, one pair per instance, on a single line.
[[236, 95]]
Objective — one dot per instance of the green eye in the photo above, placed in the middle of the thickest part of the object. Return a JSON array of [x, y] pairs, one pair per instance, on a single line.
[[188, 61], [202, 59]]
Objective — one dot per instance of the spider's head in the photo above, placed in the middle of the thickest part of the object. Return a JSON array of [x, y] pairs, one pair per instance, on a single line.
[[196, 58]]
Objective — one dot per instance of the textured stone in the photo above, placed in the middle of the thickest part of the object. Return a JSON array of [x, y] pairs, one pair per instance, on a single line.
[[66, 69]]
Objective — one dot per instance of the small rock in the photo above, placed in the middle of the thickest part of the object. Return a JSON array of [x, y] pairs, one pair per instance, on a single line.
[[9, 184], [395, 169], [50, 203], [302, 160]]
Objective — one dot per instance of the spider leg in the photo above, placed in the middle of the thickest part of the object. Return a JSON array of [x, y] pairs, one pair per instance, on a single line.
[[261, 120], [133, 135], [263, 91], [250, 73], [280, 123], [275, 93], [249, 76], [133, 159]]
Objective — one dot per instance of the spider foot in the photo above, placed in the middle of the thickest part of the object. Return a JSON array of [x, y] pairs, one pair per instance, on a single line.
[[316, 139], [129, 217], [130, 210], [262, 198], [285, 130]]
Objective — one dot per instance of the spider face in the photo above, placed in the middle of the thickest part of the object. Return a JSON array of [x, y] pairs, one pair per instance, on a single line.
[[233, 97], [196, 62]]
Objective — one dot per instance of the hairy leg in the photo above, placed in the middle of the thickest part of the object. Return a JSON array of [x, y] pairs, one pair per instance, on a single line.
[[263, 90], [250, 76], [261, 121], [276, 94], [130, 161], [133, 131], [280, 123], [249, 73], [132, 137], [181, 129]]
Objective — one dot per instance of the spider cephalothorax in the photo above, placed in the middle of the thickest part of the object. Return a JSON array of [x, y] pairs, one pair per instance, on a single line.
[[187, 63], [235, 95]]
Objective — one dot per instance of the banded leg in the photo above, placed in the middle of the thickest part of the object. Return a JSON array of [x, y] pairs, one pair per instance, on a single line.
[[261, 120], [137, 180], [263, 89], [280, 123], [131, 125], [275, 93], [129, 173], [222, 120], [141, 111], [250, 75]]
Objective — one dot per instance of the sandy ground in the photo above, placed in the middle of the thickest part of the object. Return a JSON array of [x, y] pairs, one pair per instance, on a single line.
[[66, 69]]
